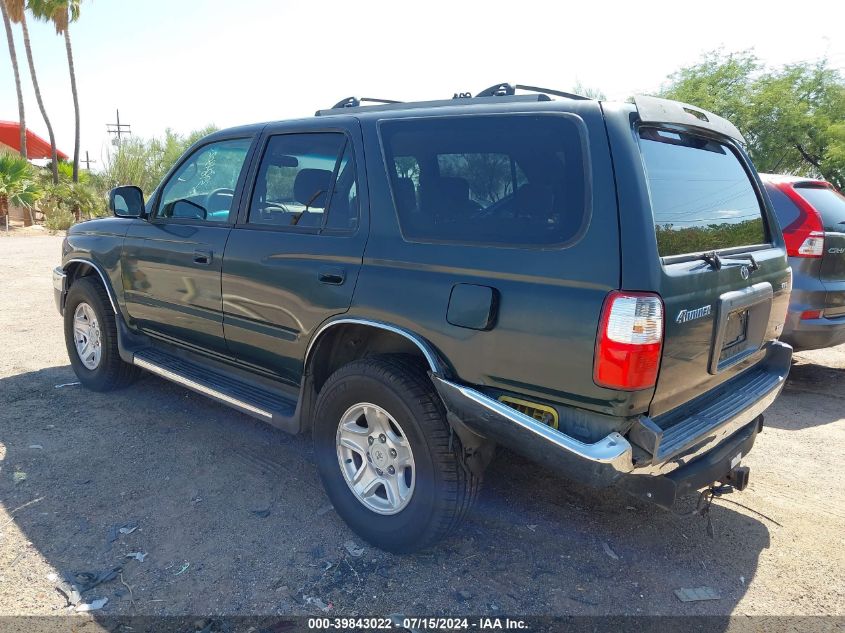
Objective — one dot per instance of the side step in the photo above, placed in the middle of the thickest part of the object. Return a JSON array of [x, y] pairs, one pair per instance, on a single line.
[[254, 400]]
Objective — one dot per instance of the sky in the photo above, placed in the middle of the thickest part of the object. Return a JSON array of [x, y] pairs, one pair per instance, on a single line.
[[184, 64]]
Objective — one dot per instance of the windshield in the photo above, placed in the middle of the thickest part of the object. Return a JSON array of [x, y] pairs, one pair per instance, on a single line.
[[701, 196]]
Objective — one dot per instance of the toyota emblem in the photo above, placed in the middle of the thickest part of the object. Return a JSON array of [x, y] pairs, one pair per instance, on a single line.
[[744, 272]]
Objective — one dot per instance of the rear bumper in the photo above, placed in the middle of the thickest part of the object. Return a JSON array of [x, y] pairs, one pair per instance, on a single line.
[[811, 293], [59, 288], [814, 333], [706, 425], [713, 466]]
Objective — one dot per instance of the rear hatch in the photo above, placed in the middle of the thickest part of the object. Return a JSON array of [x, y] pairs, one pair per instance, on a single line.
[[723, 275], [830, 206]]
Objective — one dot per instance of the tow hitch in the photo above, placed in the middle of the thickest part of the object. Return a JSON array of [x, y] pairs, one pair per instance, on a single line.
[[737, 478]]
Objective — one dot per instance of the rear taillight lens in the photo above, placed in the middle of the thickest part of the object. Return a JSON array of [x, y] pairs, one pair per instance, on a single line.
[[630, 340], [807, 315], [805, 236]]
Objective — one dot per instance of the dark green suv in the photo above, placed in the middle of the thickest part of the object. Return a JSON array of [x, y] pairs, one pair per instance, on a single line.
[[598, 286]]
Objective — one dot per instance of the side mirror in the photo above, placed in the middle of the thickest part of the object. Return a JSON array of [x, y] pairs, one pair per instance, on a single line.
[[127, 202]]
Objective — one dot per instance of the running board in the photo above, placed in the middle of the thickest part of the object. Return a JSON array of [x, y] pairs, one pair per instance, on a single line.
[[251, 399]]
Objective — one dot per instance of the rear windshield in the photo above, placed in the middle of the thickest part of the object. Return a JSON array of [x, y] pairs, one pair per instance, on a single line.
[[829, 203], [701, 196], [501, 180]]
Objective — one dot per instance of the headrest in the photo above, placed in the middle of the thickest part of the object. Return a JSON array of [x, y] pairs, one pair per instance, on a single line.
[[406, 196], [451, 188], [309, 183]]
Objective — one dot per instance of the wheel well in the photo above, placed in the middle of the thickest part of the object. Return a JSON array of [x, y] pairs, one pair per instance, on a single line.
[[77, 270], [343, 343]]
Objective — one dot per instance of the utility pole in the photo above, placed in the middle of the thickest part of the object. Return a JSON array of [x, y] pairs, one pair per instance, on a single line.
[[118, 129], [88, 161]]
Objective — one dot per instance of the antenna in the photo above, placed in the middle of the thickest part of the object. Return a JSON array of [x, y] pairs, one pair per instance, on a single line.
[[118, 129]]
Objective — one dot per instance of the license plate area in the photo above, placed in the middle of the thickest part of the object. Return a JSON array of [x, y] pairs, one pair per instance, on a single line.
[[736, 333], [742, 317]]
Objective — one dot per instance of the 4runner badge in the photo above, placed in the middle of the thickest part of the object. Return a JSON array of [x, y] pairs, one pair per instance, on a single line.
[[690, 315]]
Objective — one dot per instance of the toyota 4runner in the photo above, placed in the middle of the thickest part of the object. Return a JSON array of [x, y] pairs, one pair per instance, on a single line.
[[597, 286]]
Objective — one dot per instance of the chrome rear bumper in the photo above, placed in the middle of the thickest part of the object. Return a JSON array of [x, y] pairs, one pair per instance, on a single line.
[[601, 462], [700, 427]]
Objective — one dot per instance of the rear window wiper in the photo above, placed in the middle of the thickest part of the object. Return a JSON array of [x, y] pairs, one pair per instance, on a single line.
[[713, 258]]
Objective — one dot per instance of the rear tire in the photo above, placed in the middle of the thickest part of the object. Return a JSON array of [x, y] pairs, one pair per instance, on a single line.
[[91, 338], [398, 396]]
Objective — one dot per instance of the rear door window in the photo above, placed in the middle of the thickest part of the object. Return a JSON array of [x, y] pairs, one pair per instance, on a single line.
[[500, 180], [701, 196], [828, 202], [306, 181]]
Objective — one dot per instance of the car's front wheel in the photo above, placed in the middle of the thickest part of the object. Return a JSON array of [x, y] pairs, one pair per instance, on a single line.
[[91, 338], [386, 454]]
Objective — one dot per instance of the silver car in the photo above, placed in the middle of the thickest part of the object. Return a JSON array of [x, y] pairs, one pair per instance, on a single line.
[[812, 217]]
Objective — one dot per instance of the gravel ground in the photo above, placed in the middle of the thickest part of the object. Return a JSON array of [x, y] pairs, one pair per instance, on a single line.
[[233, 519]]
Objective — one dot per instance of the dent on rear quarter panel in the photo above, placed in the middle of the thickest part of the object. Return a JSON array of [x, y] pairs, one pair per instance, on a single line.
[[543, 340]]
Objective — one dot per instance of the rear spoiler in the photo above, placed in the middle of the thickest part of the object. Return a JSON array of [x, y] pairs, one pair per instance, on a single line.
[[656, 110]]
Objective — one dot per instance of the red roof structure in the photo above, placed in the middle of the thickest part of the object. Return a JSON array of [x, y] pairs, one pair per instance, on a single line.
[[36, 147]]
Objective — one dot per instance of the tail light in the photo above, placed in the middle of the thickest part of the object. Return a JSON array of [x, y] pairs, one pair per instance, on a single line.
[[805, 236], [807, 315], [630, 341]]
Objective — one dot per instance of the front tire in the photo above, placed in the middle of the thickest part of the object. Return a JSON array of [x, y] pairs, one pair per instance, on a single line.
[[91, 338], [387, 457]]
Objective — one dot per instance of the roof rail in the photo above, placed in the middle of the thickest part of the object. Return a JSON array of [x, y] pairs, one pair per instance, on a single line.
[[354, 102], [504, 89]]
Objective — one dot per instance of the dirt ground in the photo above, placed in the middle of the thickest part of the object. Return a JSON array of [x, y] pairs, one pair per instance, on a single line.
[[233, 519]]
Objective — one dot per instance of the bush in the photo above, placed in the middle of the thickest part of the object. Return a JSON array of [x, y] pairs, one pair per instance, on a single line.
[[58, 219]]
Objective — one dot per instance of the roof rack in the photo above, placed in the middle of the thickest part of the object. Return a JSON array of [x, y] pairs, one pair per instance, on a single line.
[[504, 89], [354, 102]]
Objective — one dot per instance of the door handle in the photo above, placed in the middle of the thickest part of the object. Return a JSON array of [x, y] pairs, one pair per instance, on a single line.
[[333, 276], [202, 257]]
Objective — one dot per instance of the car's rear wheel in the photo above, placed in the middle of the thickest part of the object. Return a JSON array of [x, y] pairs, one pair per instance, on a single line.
[[386, 454], [91, 338]]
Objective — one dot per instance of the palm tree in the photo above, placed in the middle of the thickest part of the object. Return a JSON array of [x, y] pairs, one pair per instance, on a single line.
[[61, 13], [17, 184], [17, 14], [11, 41]]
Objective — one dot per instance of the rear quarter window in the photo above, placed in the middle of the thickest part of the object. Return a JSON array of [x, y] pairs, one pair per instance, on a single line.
[[501, 180], [701, 196]]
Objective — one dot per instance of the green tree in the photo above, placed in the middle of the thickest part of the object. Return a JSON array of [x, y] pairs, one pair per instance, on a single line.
[[584, 90], [78, 199], [144, 162], [792, 117], [17, 14], [18, 186], [61, 13], [7, 23]]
